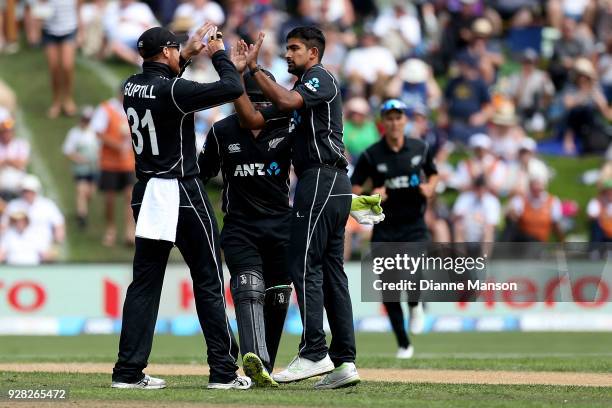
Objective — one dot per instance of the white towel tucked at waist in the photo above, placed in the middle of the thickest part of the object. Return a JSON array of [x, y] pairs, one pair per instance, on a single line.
[[159, 210]]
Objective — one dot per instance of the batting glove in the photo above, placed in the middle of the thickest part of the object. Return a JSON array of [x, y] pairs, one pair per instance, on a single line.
[[366, 209]]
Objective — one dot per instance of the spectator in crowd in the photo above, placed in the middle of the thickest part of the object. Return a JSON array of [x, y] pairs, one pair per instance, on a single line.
[[59, 38], [585, 105], [14, 157], [467, 107], [415, 85], [399, 30], [8, 100], [566, 50], [482, 163], [194, 13], [116, 165], [421, 127], [124, 21], [44, 216], [599, 211], [81, 147], [476, 214], [536, 215], [517, 180], [487, 52], [20, 245], [360, 131], [604, 66], [91, 15], [531, 90], [505, 132], [369, 66], [335, 49]]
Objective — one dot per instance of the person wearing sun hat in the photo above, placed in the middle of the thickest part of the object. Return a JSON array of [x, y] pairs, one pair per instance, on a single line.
[[20, 244], [480, 163], [505, 131], [586, 106], [14, 156], [360, 131], [599, 211], [487, 51]]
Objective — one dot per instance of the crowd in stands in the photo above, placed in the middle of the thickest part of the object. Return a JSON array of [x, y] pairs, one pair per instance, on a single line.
[[492, 85]]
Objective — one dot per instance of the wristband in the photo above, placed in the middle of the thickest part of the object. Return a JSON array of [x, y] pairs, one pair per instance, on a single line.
[[255, 70]]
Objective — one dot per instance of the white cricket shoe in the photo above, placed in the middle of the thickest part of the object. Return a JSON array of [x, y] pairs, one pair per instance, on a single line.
[[238, 383], [147, 383], [405, 353], [301, 368], [343, 376], [417, 318]]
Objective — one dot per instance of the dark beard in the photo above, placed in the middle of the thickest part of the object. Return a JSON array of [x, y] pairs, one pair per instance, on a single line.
[[297, 71]]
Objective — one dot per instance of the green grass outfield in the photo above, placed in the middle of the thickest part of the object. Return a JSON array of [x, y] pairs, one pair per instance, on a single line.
[[512, 351]]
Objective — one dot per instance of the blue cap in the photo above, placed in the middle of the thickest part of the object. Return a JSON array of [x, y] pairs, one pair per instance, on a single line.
[[393, 104]]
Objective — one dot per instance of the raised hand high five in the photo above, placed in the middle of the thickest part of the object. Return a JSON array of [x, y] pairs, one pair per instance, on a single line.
[[195, 44], [253, 51]]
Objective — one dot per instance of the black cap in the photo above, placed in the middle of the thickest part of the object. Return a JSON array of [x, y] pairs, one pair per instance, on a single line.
[[253, 91], [151, 42]]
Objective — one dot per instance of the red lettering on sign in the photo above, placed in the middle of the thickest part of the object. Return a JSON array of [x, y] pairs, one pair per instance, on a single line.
[[186, 295], [111, 298], [527, 295], [603, 291], [39, 296]]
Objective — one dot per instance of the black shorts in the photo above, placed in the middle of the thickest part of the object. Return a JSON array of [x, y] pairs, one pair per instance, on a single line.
[[116, 180], [50, 39], [259, 244], [90, 178], [391, 230]]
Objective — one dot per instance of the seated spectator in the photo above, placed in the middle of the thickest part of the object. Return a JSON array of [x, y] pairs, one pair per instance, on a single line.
[[81, 147], [360, 131], [482, 163], [467, 107], [536, 215], [415, 85], [45, 218], [197, 12], [399, 30], [566, 50], [487, 52], [124, 22], [92, 22], [531, 90], [604, 66], [517, 180], [20, 244], [476, 214], [599, 211], [369, 66], [14, 157], [506, 135], [585, 106]]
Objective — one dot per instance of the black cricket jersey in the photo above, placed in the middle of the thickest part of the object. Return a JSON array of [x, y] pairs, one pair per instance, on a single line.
[[400, 173], [255, 170], [160, 108], [318, 124]]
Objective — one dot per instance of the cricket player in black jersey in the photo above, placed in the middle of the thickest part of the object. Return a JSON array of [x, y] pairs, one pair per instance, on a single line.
[[170, 205], [255, 237], [403, 171], [321, 206]]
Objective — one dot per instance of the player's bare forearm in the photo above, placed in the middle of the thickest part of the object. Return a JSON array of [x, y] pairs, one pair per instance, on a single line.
[[284, 99], [247, 115]]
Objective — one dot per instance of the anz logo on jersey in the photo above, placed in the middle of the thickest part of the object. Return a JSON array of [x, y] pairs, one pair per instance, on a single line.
[[403, 182], [296, 119], [257, 169]]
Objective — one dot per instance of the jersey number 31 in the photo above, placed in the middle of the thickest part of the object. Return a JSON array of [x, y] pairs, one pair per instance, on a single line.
[[147, 122]]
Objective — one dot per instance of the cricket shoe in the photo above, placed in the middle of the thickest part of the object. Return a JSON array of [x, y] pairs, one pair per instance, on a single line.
[[417, 318], [301, 368], [238, 383], [147, 383], [344, 375], [254, 368], [405, 353]]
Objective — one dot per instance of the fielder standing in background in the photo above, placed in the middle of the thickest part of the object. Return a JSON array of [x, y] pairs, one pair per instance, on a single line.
[[255, 237], [396, 165], [170, 205], [321, 206]]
